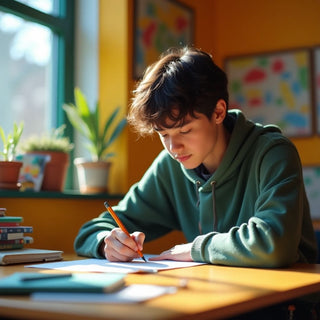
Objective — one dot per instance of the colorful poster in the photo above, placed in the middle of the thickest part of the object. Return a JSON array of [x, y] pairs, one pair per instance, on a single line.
[[274, 89], [159, 25]]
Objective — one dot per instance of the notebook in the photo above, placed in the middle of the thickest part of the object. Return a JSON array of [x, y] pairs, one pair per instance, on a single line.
[[28, 255], [22, 283]]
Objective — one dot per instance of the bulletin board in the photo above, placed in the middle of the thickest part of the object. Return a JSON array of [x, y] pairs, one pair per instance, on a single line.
[[274, 88], [311, 177]]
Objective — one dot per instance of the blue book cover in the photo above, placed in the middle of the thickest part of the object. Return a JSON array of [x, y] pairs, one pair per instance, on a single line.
[[29, 282], [16, 229]]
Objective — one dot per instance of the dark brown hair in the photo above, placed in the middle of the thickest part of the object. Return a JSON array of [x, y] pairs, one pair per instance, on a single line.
[[183, 81]]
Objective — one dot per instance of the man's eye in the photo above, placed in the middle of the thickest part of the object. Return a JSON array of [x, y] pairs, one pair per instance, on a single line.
[[185, 132]]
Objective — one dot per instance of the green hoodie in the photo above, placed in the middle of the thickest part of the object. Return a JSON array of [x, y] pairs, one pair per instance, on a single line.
[[252, 211]]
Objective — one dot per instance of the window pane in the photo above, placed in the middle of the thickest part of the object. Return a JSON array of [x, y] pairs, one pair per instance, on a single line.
[[46, 6], [26, 68]]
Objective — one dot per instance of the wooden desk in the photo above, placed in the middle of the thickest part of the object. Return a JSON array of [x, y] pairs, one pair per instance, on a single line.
[[213, 292]]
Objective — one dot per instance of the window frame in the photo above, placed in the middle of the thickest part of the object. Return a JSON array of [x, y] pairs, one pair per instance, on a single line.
[[63, 25]]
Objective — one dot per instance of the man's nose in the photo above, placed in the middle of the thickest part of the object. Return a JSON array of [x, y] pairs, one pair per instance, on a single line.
[[175, 145]]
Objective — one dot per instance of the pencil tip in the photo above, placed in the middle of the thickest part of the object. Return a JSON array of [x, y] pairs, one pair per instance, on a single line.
[[145, 260]]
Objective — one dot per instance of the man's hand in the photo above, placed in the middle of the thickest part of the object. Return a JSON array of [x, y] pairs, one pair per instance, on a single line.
[[181, 252], [119, 247]]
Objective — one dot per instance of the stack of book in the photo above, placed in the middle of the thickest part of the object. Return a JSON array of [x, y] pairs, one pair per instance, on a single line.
[[12, 233]]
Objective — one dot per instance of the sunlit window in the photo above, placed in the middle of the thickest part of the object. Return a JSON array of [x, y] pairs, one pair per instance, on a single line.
[[26, 62], [47, 6], [33, 63]]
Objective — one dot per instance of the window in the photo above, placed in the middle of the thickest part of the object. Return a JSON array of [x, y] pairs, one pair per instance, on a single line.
[[36, 62]]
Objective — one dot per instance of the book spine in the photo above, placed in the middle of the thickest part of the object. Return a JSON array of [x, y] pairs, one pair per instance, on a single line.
[[9, 224], [11, 246], [11, 219], [13, 241], [11, 236], [16, 229]]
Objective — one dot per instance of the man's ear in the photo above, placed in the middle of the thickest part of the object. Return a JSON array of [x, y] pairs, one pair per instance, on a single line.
[[220, 111]]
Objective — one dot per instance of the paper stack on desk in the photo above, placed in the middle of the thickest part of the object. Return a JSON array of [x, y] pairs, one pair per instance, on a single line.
[[80, 287], [103, 265]]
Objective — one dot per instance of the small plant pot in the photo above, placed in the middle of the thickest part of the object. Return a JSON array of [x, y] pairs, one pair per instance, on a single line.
[[92, 176], [9, 174]]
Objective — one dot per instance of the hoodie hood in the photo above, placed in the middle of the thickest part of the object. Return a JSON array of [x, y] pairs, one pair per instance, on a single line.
[[243, 136]]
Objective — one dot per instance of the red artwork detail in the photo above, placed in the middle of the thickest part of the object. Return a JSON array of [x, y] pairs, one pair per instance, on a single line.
[[277, 66], [147, 35], [255, 102], [181, 24], [255, 75]]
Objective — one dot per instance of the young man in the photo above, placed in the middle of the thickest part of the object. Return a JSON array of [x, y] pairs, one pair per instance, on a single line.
[[234, 188]]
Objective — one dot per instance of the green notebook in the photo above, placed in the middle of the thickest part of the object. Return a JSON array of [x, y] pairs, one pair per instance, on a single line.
[[28, 282]]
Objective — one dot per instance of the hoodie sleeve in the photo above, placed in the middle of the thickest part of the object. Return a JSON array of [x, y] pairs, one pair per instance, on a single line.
[[272, 235], [146, 208]]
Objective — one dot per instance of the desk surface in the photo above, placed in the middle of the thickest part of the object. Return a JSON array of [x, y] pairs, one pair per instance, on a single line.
[[213, 292]]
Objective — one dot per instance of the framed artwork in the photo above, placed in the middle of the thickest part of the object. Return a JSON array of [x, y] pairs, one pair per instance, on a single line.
[[158, 26], [274, 88], [316, 58], [311, 177]]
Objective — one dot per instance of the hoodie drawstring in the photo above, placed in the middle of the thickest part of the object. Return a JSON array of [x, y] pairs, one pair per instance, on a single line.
[[213, 194], [198, 183], [213, 184]]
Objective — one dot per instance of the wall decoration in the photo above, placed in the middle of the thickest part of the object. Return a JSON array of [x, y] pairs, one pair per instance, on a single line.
[[274, 88], [316, 56], [311, 177], [159, 25]]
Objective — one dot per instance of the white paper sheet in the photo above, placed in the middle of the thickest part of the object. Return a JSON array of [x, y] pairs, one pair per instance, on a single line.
[[102, 265], [132, 294]]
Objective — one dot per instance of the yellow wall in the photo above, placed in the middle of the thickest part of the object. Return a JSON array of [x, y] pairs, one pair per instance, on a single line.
[[113, 79]]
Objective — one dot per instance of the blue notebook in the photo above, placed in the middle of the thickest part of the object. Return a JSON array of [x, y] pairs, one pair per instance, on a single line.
[[29, 282]]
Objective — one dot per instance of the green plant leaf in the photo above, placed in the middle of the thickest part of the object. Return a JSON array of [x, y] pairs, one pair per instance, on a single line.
[[11, 141], [87, 122], [116, 133]]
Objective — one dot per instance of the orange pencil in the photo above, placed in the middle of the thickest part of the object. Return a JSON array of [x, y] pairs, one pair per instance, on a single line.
[[121, 226]]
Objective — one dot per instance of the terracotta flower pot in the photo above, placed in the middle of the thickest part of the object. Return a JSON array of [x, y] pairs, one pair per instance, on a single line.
[[92, 176], [9, 174], [55, 171]]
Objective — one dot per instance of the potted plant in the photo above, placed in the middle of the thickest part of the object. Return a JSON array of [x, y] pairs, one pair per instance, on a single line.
[[9, 168], [93, 174], [58, 147]]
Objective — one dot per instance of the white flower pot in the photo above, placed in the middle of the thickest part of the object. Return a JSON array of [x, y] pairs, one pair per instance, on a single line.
[[92, 176]]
